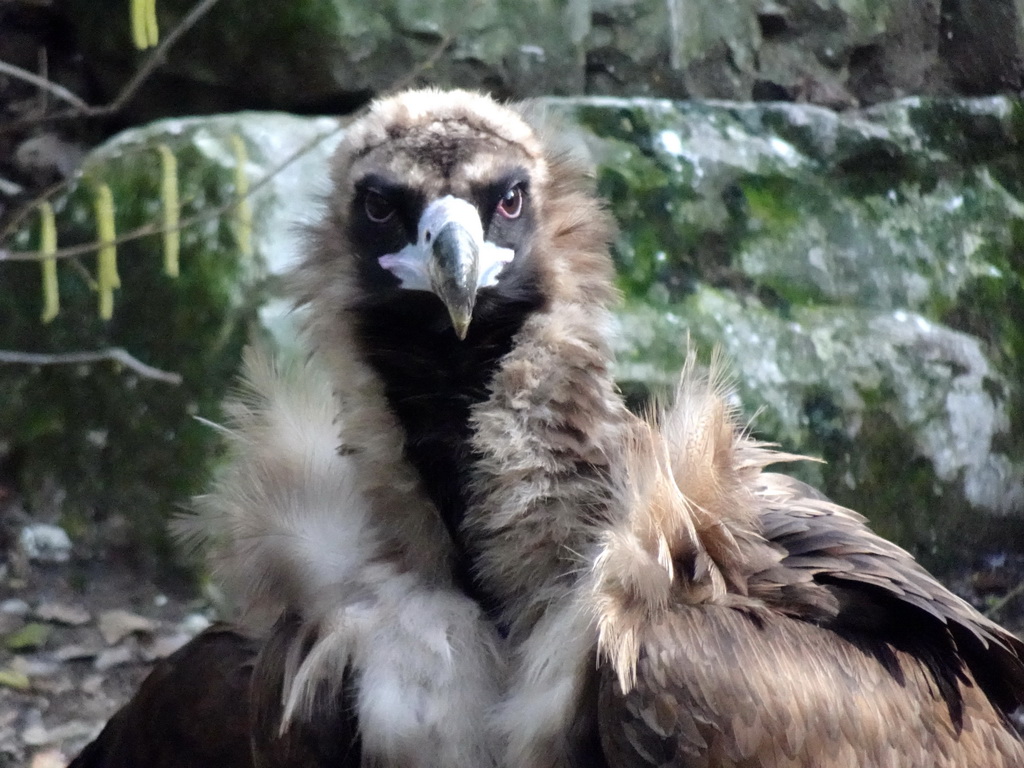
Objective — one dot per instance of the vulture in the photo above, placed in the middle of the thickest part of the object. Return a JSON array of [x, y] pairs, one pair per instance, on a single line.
[[451, 544]]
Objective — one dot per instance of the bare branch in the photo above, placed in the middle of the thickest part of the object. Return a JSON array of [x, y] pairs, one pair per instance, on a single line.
[[997, 606], [154, 60], [409, 77], [154, 229], [83, 109], [32, 206], [132, 86], [59, 91], [117, 354]]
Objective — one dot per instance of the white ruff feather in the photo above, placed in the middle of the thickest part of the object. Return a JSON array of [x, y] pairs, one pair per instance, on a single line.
[[292, 525], [285, 523]]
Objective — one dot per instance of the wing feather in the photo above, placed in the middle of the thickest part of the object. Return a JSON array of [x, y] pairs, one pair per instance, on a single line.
[[721, 686], [803, 639], [192, 709]]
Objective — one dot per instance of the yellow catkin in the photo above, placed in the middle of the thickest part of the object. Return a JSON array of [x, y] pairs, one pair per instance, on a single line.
[[107, 279], [140, 33], [152, 30], [243, 208], [171, 209], [48, 247]]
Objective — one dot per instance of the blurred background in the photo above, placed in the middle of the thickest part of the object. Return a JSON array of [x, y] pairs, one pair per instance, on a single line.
[[831, 191]]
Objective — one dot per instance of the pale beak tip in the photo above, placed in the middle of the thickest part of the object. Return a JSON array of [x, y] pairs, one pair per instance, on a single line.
[[461, 326]]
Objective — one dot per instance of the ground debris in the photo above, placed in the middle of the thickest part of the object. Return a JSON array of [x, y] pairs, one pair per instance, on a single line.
[[58, 613], [104, 624], [114, 657], [49, 758], [38, 735], [116, 625], [30, 636]]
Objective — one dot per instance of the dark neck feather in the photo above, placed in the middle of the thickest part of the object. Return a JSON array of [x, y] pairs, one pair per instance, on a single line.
[[432, 380]]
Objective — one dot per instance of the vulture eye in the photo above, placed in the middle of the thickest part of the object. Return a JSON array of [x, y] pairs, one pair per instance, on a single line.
[[511, 205], [378, 208]]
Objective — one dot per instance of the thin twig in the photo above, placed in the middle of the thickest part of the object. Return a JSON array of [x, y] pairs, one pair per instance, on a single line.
[[993, 610], [82, 109], [43, 70], [132, 86], [32, 206], [116, 354], [59, 91], [154, 59], [427, 63], [153, 229]]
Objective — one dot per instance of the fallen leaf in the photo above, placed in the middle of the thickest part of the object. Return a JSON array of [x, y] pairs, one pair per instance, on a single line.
[[93, 684], [30, 636], [72, 615], [15, 606], [116, 625], [35, 666], [113, 657], [50, 758], [37, 735], [12, 678]]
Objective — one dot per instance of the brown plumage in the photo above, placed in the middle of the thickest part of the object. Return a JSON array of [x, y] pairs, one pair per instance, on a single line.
[[182, 708], [501, 565], [782, 631]]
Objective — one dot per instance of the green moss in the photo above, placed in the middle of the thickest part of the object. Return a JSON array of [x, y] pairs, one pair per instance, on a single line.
[[825, 258], [772, 203], [880, 474], [992, 308], [29, 638], [966, 131], [878, 166], [886, 479], [635, 186], [630, 125]]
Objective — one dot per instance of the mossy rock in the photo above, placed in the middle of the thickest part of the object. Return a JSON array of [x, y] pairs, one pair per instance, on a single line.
[[862, 272]]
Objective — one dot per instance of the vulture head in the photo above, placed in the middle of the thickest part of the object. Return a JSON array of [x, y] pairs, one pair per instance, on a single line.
[[441, 195], [443, 205]]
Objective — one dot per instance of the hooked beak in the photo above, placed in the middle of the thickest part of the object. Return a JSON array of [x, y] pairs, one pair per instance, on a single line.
[[450, 258], [454, 271]]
